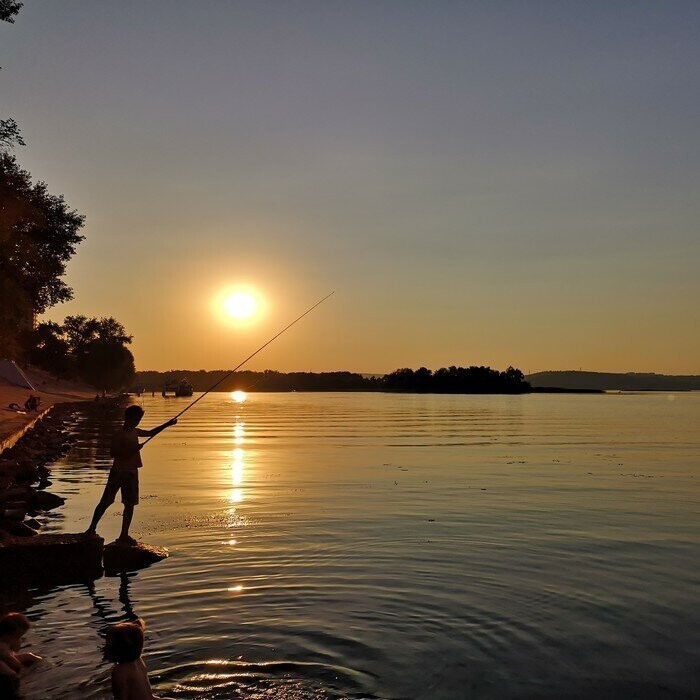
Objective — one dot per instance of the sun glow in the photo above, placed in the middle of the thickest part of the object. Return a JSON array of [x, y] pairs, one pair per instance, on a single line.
[[239, 396], [240, 305]]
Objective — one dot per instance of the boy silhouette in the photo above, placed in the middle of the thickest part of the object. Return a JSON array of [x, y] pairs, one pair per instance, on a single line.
[[124, 474]]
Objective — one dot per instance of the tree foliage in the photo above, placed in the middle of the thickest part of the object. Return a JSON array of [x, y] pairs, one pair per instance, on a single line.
[[91, 349], [8, 10], [10, 135], [457, 380], [38, 236]]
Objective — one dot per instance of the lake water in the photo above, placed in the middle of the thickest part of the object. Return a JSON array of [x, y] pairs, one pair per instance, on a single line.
[[396, 546]]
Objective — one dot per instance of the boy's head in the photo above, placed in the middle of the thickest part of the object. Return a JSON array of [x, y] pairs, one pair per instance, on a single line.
[[13, 627], [125, 641], [133, 416]]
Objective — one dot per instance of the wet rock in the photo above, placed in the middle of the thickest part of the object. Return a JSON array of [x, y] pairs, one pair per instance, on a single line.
[[54, 558], [43, 500], [14, 511], [15, 493], [121, 558], [19, 529]]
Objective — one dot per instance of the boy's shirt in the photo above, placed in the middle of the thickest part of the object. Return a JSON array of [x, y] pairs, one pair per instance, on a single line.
[[125, 449]]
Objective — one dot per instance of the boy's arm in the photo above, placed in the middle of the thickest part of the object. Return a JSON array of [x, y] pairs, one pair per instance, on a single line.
[[154, 431], [9, 661], [27, 658]]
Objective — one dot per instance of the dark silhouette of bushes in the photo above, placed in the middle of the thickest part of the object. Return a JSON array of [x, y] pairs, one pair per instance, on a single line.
[[447, 380], [456, 380]]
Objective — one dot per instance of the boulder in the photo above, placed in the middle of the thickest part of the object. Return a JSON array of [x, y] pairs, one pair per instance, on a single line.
[[121, 558], [43, 500], [51, 558], [19, 529]]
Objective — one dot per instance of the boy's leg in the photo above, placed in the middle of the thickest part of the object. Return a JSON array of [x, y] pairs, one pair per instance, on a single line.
[[126, 521], [97, 516], [106, 501], [130, 498]]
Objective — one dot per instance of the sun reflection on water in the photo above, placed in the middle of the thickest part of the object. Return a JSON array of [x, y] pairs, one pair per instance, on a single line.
[[238, 396]]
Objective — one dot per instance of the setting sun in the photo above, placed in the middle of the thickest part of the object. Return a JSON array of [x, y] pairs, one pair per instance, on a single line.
[[240, 305]]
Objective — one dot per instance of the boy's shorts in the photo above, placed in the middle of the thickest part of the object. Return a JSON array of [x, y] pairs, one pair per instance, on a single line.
[[127, 482]]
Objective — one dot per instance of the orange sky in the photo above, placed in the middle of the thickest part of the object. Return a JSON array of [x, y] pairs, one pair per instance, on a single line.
[[479, 186]]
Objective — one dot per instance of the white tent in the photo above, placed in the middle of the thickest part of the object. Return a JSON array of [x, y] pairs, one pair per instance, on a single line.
[[10, 372]]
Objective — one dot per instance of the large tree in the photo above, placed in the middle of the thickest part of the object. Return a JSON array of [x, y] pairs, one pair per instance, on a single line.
[[38, 236], [91, 349]]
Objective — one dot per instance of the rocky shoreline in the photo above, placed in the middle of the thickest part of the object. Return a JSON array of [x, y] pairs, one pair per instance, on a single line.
[[25, 553], [24, 474]]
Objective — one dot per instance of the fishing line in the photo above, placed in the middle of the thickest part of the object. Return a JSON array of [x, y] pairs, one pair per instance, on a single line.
[[250, 357]]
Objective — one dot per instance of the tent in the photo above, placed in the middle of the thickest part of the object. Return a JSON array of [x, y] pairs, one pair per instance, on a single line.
[[11, 373]]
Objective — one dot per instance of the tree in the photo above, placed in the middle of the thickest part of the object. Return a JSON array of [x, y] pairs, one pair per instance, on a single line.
[[10, 135], [15, 318], [107, 365], [8, 10], [98, 348], [91, 349], [38, 236], [49, 349]]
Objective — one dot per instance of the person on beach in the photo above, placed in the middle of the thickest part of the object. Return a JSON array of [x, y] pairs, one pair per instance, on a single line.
[[124, 646], [13, 627], [124, 475]]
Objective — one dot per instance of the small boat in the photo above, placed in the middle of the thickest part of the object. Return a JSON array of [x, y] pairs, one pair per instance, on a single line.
[[180, 387]]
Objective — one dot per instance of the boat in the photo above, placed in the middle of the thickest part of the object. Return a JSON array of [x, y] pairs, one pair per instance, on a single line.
[[180, 387]]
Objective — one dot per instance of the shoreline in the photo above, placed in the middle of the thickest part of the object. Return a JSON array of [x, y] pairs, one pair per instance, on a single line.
[[25, 460]]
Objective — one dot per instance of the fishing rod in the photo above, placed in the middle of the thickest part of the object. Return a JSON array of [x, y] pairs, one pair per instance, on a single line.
[[250, 357]]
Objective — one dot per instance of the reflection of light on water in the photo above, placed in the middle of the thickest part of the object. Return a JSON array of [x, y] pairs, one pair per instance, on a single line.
[[232, 542], [238, 396], [238, 434], [236, 589], [237, 475]]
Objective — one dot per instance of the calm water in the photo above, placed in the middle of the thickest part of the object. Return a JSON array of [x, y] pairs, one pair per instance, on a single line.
[[368, 545]]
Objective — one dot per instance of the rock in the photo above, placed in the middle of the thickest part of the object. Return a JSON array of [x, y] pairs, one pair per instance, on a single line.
[[52, 558], [121, 558], [20, 530], [43, 500], [14, 511], [42, 472], [16, 493]]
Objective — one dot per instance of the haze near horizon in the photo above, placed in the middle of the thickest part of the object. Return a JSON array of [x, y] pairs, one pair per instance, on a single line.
[[491, 183]]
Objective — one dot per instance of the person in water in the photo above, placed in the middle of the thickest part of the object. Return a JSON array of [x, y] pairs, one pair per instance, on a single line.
[[124, 474], [124, 646], [13, 627]]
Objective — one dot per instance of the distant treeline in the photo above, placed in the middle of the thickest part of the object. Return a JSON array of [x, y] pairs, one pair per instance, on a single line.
[[447, 380], [609, 381]]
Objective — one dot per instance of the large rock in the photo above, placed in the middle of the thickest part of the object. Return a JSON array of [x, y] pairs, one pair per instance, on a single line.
[[121, 558], [55, 558], [43, 500]]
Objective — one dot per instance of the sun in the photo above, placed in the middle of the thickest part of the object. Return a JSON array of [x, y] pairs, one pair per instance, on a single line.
[[240, 306]]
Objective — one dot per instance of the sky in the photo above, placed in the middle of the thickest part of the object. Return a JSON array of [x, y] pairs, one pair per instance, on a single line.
[[498, 183]]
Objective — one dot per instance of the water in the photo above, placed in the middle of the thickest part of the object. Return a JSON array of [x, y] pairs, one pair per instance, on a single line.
[[391, 546]]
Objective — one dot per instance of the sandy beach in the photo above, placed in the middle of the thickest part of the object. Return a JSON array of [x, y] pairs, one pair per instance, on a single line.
[[51, 391]]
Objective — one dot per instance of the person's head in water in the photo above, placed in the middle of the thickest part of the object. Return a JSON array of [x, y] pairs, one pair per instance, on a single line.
[[133, 416], [12, 628], [124, 642]]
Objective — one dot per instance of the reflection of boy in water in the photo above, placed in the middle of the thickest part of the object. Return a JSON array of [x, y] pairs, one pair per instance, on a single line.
[[124, 475]]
